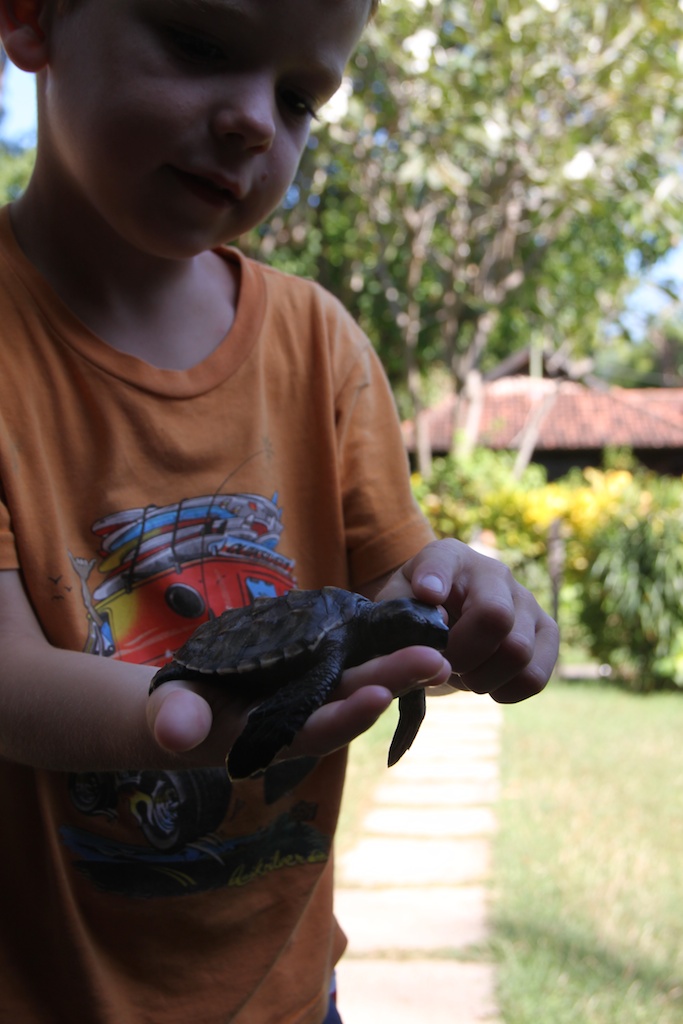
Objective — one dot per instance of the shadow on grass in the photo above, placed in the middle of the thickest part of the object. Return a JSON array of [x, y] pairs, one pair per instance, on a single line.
[[574, 973]]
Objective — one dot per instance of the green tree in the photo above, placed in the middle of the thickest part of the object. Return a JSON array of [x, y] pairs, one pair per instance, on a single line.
[[15, 168], [498, 165], [15, 164], [653, 359]]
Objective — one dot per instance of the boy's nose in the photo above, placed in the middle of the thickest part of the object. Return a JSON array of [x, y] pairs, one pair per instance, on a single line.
[[248, 115]]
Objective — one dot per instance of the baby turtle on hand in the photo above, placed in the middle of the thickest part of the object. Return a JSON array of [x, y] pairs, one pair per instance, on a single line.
[[289, 653]]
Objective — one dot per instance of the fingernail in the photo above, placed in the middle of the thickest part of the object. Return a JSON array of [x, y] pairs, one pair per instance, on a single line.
[[434, 583]]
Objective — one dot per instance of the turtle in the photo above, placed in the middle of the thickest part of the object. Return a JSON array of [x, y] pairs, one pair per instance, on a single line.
[[289, 652]]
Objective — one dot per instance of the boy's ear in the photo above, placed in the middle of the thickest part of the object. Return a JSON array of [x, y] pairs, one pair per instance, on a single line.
[[22, 33]]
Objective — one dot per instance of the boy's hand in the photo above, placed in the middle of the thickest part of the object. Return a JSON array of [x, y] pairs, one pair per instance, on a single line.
[[363, 694], [501, 642], [207, 719], [182, 716]]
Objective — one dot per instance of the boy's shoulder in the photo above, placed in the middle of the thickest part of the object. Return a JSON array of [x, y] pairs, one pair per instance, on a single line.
[[299, 313]]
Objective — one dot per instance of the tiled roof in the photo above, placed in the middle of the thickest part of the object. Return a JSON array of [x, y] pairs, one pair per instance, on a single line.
[[569, 416]]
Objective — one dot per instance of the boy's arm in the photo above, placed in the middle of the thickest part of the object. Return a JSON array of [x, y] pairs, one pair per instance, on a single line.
[[71, 711]]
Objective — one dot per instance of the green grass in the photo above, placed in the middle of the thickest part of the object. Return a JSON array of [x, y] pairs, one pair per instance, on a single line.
[[587, 911], [588, 890]]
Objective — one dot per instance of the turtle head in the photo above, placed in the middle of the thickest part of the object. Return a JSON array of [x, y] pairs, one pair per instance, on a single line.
[[404, 622]]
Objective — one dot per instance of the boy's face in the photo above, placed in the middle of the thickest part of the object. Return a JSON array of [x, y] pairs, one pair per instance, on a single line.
[[181, 122]]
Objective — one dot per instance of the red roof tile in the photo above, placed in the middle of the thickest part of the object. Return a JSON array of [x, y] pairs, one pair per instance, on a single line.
[[571, 416]]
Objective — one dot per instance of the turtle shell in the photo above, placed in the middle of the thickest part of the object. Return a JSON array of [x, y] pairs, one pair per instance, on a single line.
[[268, 632]]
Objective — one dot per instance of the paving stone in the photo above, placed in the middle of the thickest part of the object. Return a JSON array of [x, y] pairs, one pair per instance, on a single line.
[[468, 707], [450, 793], [429, 821], [414, 884], [471, 711], [452, 719], [449, 736], [436, 771], [448, 759], [449, 754], [449, 732], [415, 992], [388, 862], [412, 920]]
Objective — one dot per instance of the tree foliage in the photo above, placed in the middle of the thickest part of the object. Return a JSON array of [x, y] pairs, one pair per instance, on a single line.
[[500, 174], [499, 168], [15, 168]]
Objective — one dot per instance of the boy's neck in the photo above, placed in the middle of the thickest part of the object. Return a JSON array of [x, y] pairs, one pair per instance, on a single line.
[[170, 313]]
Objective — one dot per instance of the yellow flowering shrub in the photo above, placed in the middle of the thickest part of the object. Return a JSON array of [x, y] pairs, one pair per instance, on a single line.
[[622, 534]]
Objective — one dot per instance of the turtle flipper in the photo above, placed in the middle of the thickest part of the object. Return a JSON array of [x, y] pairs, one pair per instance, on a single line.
[[172, 670], [274, 723], [411, 711]]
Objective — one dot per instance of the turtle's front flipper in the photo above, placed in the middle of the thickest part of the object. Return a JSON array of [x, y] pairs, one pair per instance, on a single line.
[[274, 724], [173, 670], [411, 711]]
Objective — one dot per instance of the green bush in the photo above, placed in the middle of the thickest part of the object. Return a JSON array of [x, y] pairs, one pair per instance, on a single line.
[[15, 169], [622, 537], [633, 589]]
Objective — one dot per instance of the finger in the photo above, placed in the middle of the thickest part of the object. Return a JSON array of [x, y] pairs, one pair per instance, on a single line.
[[428, 575], [500, 640], [364, 693], [178, 718], [488, 620], [449, 572], [184, 716], [454, 684], [521, 667], [398, 672], [336, 724], [492, 633], [537, 674], [444, 571]]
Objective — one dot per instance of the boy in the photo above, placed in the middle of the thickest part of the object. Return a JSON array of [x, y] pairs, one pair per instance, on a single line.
[[182, 430]]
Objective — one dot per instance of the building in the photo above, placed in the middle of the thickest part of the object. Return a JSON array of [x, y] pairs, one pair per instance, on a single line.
[[564, 423]]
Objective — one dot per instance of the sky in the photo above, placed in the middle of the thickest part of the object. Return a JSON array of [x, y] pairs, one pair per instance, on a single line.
[[19, 126], [19, 123], [647, 299]]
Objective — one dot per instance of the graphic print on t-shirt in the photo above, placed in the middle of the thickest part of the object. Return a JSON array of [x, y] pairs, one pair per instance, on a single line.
[[166, 570]]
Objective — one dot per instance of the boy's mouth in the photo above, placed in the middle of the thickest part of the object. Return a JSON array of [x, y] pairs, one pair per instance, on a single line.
[[213, 191]]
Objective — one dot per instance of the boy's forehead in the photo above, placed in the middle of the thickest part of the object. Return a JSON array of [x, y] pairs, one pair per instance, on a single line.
[[336, 22]]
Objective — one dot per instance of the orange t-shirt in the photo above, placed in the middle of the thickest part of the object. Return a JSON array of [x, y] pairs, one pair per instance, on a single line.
[[135, 501]]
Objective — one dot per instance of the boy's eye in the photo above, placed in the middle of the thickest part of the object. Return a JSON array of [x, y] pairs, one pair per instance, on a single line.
[[200, 49], [299, 105]]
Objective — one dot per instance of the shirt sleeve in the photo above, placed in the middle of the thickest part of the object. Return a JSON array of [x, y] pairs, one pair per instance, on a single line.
[[384, 525]]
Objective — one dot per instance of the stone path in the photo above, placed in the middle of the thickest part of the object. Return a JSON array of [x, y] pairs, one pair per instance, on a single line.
[[412, 894]]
